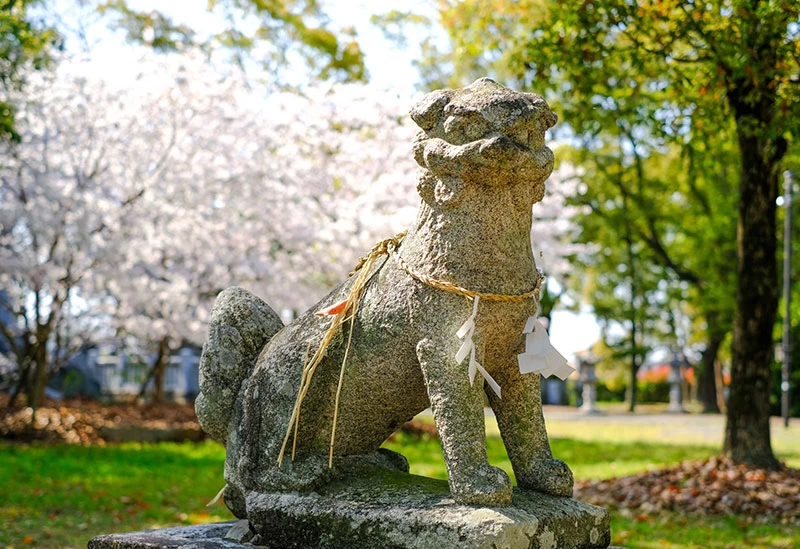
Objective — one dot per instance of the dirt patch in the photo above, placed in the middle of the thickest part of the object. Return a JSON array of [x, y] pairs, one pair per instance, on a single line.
[[87, 422]]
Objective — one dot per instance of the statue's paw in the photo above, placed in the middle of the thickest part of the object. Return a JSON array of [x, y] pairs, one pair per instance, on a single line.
[[489, 486], [382, 458], [550, 476], [235, 501]]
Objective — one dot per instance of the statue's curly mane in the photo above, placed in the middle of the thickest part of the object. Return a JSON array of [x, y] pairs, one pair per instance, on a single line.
[[480, 133]]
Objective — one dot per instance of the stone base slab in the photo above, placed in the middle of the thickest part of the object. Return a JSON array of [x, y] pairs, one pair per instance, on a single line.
[[384, 509], [201, 536]]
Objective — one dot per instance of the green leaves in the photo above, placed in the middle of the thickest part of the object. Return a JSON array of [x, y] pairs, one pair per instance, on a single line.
[[276, 31], [151, 28], [23, 40]]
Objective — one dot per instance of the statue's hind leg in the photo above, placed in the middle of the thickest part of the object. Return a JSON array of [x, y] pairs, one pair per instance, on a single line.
[[268, 401]]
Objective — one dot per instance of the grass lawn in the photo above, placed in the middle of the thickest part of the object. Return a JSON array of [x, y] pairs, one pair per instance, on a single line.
[[62, 496]]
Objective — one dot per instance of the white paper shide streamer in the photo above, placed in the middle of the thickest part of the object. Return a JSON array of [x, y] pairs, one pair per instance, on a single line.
[[540, 355], [467, 348]]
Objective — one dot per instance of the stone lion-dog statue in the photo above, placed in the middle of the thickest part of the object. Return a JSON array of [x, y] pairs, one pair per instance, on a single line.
[[483, 165]]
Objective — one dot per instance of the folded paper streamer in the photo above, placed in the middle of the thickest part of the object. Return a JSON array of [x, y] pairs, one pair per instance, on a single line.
[[466, 332], [540, 355]]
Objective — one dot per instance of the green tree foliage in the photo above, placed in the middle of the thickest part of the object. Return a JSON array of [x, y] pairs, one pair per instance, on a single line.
[[23, 40], [275, 33], [626, 279], [713, 81]]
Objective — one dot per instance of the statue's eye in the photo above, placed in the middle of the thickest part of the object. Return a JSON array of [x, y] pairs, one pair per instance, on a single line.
[[466, 126]]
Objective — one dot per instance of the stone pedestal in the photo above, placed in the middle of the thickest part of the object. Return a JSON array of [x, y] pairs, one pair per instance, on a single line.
[[675, 380], [392, 509], [589, 380]]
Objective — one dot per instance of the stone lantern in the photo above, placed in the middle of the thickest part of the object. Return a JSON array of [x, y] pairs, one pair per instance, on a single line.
[[675, 382], [587, 361]]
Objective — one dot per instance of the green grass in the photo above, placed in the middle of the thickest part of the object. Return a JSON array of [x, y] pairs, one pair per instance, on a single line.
[[586, 459], [62, 496], [676, 531]]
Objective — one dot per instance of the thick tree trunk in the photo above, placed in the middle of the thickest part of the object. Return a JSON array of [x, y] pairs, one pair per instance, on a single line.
[[747, 433], [706, 379]]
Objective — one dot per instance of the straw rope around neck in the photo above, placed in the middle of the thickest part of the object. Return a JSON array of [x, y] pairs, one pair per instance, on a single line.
[[389, 247], [392, 250]]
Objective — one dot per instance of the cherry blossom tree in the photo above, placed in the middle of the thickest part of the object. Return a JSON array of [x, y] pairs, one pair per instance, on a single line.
[[144, 199], [134, 202], [66, 188]]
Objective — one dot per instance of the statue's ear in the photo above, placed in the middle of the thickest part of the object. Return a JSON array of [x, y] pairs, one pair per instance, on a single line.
[[440, 185], [428, 111]]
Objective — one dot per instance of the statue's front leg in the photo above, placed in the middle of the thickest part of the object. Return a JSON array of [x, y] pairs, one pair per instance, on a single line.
[[458, 414], [519, 416]]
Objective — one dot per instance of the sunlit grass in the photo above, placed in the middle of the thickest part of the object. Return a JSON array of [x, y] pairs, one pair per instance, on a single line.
[[62, 496], [587, 460]]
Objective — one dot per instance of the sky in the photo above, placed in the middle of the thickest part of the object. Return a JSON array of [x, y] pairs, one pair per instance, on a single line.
[[390, 69]]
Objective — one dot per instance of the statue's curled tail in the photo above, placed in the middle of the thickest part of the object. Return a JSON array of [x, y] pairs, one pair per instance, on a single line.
[[240, 325]]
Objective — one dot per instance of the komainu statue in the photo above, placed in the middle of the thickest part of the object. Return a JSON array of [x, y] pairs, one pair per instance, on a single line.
[[434, 317]]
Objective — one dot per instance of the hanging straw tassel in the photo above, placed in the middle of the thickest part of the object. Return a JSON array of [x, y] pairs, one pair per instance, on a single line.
[[341, 312]]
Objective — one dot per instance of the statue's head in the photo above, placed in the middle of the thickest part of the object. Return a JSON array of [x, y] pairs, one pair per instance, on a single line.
[[483, 134]]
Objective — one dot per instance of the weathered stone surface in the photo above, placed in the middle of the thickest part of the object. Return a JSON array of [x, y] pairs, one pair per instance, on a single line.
[[390, 509], [203, 536], [240, 325], [483, 165], [240, 532]]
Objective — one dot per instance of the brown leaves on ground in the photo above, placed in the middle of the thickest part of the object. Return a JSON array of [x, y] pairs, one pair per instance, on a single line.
[[715, 486], [81, 421]]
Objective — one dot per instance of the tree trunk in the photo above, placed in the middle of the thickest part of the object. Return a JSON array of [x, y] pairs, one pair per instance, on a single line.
[[706, 378], [157, 372], [36, 394], [632, 393], [22, 383], [633, 389], [162, 361], [747, 432]]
